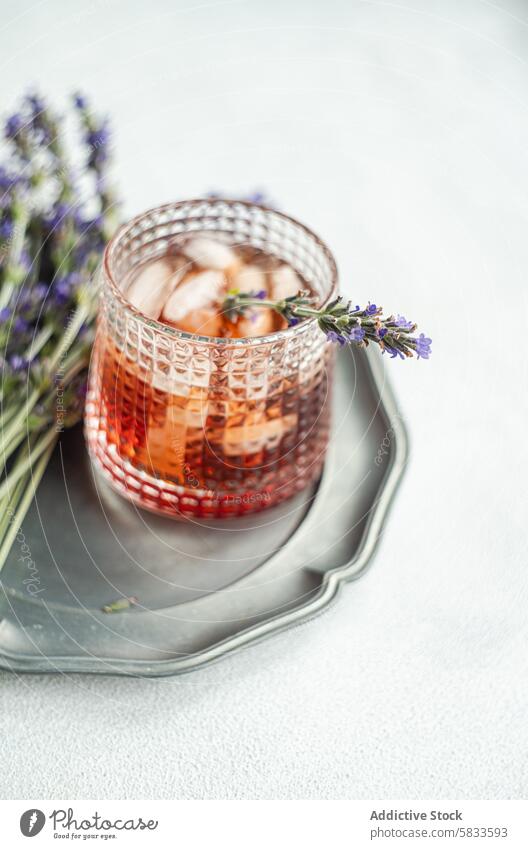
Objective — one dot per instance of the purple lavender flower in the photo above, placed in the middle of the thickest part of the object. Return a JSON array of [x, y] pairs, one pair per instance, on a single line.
[[30, 299], [356, 334], [63, 288], [6, 181], [256, 197], [38, 119], [5, 314], [59, 214], [20, 325], [94, 223], [35, 103], [17, 362], [25, 262], [98, 140], [84, 249], [401, 321], [394, 352], [79, 100], [334, 337], [423, 346], [371, 309], [13, 125], [6, 229], [41, 290], [98, 137]]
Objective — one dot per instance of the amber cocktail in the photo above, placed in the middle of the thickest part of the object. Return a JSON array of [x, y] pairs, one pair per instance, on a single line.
[[190, 413]]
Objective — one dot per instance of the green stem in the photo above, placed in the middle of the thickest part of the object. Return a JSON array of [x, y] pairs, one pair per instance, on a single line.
[[16, 518], [8, 506], [75, 363], [7, 414], [7, 449], [25, 462], [38, 342], [21, 219], [17, 422], [81, 314], [278, 306], [306, 312], [79, 317]]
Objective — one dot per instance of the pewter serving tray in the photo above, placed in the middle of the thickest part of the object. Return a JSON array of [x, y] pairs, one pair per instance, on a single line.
[[203, 589]]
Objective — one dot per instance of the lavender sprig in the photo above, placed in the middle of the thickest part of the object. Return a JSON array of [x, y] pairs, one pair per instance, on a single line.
[[257, 197], [340, 321]]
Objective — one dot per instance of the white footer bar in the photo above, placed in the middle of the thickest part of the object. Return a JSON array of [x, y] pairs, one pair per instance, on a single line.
[[266, 824]]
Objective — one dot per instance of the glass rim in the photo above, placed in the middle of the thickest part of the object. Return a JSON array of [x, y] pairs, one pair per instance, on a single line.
[[175, 332]]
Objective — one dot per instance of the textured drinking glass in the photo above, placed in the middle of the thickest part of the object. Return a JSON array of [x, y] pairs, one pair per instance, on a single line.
[[194, 426]]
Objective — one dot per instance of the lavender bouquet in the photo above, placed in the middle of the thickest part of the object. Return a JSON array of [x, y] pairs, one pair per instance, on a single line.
[[56, 213]]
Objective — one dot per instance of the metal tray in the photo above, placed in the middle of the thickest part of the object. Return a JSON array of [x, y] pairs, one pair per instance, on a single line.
[[203, 589]]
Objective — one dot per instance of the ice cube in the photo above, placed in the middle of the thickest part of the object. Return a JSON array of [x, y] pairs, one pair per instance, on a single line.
[[257, 322], [206, 322], [209, 253], [190, 413], [154, 283], [254, 436], [193, 305], [285, 282], [249, 278], [167, 441], [182, 381]]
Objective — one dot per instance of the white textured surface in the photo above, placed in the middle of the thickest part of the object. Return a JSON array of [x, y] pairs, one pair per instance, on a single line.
[[399, 132]]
